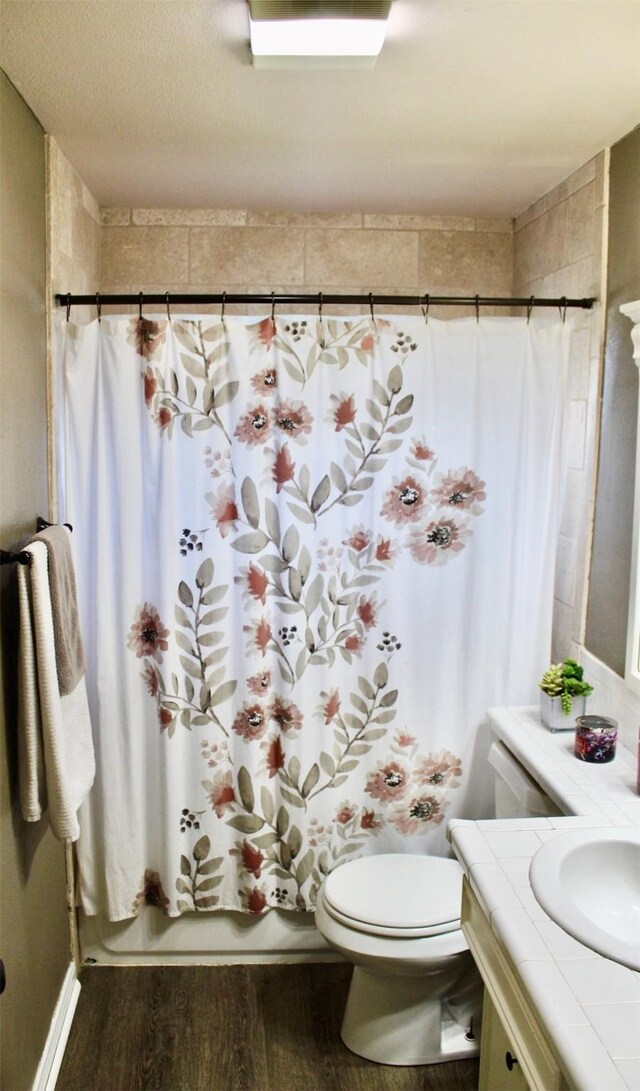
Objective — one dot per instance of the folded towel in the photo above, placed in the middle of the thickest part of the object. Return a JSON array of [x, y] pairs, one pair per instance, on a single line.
[[64, 607], [56, 746]]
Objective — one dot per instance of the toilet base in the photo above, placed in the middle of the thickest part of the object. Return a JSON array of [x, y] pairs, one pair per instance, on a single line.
[[396, 1021]]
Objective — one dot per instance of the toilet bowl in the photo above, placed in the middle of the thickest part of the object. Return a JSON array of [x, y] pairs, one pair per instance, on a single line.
[[415, 994]]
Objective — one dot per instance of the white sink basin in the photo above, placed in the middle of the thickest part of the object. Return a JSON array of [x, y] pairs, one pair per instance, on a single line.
[[588, 881]]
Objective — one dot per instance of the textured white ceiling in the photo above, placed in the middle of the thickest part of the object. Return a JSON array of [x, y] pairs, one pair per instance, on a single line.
[[474, 106]]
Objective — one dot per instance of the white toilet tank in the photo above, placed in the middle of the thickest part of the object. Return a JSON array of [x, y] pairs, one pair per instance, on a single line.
[[516, 793]]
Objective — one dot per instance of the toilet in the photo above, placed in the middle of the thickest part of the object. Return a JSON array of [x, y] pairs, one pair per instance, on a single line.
[[415, 996]]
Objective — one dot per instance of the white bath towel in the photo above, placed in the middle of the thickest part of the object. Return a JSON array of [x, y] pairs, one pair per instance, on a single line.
[[57, 764]]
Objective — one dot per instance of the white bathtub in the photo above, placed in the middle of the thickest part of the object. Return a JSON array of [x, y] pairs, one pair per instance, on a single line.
[[203, 938]]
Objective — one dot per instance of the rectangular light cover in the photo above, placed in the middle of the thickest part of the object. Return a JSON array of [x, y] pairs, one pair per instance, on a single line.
[[317, 37]]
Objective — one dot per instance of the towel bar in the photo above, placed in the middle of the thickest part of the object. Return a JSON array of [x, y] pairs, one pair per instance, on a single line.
[[14, 558], [6, 557]]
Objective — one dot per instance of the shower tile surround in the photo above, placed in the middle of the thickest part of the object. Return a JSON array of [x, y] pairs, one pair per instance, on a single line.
[[555, 247], [588, 1005], [560, 249]]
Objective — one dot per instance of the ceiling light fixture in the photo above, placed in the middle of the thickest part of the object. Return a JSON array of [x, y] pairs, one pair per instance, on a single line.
[[317, 33]]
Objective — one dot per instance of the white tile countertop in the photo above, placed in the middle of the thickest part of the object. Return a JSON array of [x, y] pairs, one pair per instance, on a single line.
[[588, 1005]]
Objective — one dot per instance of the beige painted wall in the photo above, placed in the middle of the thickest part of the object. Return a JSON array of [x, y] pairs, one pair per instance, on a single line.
[[560, 249], [34, 944], [215, 250]]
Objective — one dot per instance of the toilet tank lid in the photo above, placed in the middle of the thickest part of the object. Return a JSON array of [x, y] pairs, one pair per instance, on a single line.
[[397, 890]]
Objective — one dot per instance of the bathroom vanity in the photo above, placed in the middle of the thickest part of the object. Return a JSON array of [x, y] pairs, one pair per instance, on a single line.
[[557, 1015]]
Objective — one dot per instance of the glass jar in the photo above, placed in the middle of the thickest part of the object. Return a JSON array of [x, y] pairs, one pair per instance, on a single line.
[[596, 738]]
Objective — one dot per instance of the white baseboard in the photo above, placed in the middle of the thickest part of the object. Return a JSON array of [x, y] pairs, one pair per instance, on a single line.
[[56, 1042]]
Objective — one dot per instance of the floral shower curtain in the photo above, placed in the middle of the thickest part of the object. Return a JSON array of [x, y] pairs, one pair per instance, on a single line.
[[310, 555]]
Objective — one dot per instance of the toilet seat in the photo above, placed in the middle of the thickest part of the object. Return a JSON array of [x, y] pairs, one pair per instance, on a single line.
[[402, 896]]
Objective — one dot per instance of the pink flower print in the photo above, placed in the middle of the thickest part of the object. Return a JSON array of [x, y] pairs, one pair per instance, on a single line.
[[404, 502], [165, 719], [438, 541], [345, 814], [218, 462], [255, 900], [150, 384], [286, 714], [257, 583], [261, 635], [416, 814], [151, 680], [274, 754], [221, 794], [251, 857], [250, 722], [404, 739], [439, 770], [354, 643], [146, 336], [367, 342], [358, 539], [265, 383], [264, 332], [369, 820], [163, 418], [330, 706], [344, 412], [224, 509], [459, 489], [328, 556], [421, 451], [293, 419], [283, 468], [386, 550], [388, 782], [259, 683], [147, 635], [367, 612], [253, 429]]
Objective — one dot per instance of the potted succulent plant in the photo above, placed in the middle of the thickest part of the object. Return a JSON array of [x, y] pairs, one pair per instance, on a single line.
[[564, 695]]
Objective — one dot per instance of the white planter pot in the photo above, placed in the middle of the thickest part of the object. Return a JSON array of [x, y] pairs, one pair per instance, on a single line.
[[554, 718]]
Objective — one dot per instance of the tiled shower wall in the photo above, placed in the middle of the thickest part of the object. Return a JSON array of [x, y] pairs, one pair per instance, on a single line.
[[73, 228], [207, 250], [555, 247], [560, 249]]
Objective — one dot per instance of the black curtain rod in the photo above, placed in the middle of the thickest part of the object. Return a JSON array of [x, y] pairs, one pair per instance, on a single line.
[[279, 299]]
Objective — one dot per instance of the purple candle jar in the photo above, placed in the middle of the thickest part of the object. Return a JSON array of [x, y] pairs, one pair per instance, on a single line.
[[596, 738]]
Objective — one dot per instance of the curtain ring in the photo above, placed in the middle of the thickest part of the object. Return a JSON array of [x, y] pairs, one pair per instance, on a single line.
[[373, 317], [273, 307], [168, 308], [425, 306], [68, 305], [222, 306], [140, 307], [563, 308], [321, 341], [477, 308], [530, 306], [98, 306]]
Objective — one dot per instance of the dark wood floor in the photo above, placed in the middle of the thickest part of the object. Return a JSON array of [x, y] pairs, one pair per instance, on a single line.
[[228, 1028]]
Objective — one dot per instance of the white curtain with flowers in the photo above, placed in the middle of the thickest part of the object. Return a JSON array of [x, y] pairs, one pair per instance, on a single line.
[[310, 555]]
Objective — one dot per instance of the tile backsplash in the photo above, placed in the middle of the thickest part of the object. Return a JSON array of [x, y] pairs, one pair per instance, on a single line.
[[611, 697]]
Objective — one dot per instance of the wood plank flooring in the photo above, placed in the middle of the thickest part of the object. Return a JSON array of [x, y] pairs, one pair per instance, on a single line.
[[228, 1028]]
